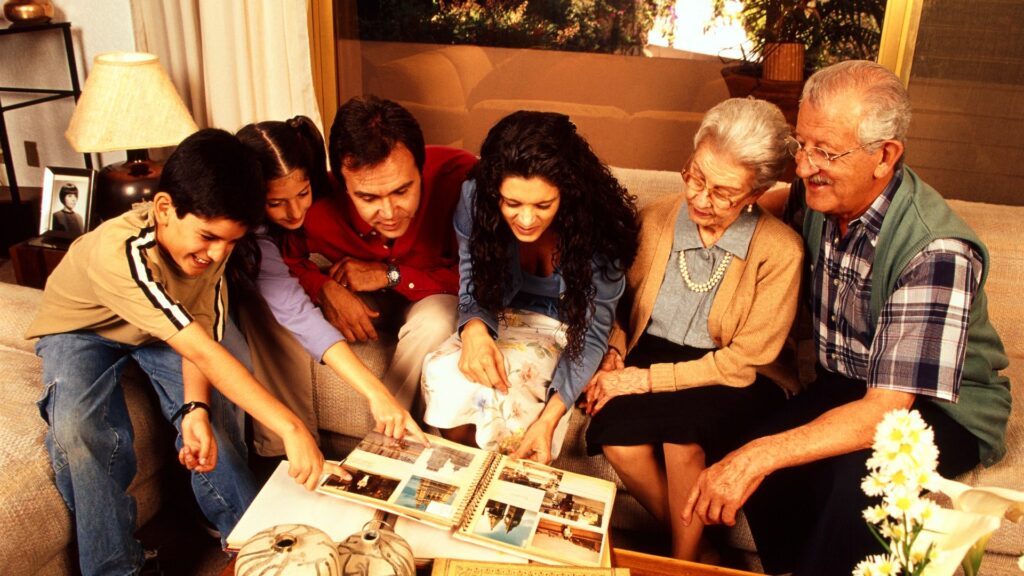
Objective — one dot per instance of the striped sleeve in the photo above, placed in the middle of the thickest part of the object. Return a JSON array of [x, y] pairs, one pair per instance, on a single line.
[[135, 251]]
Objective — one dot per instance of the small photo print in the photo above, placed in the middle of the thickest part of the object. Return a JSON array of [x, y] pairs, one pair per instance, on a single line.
[[527, 473], [364, 483], [428, 495], [573, 507], [446, 459], [405, 450], [67, 196], [506, 523], [563, 540]]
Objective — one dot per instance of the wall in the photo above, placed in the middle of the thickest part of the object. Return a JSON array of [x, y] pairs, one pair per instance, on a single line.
[[37, 60], [967, 86]]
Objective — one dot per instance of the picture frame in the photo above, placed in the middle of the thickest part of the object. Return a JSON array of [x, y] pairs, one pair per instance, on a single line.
[[66, 202]]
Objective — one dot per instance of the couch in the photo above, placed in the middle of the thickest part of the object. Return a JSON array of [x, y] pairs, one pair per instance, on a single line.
[[41, 542], [458, 92]]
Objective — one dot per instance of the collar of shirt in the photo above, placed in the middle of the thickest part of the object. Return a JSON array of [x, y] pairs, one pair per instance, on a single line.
[[735, 240], [872, 218], [362, 227]]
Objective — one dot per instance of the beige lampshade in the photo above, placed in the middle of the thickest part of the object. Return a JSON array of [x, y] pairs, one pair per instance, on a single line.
[[128, 103]]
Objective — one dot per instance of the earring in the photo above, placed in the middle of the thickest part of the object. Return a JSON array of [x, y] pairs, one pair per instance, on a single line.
[[750, 207]]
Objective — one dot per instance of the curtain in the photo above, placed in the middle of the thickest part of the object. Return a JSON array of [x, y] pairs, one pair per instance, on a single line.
[[234, 61]]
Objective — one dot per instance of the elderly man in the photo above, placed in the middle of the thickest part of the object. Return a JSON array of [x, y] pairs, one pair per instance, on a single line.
[[388, 233], [896, 286]]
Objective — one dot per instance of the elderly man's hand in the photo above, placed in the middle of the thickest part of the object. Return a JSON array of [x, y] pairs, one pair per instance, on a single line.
[[722, 489]]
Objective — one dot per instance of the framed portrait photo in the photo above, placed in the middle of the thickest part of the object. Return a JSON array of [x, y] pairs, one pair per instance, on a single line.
[[66, 199]]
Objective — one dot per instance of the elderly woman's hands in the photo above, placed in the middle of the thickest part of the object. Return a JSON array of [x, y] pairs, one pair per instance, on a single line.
[[481, 361], [608, 384]]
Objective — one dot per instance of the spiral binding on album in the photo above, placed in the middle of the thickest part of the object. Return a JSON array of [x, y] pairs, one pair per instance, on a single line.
[[482, 481]]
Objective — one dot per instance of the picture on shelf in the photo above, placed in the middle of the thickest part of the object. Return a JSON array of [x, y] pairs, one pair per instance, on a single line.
[[66, 200]]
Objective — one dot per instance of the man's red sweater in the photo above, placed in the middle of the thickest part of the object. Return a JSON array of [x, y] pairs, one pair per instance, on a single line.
[[427, 254]]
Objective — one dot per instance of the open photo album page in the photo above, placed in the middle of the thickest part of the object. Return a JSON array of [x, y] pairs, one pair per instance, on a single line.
[[548, 513], [429, 483]]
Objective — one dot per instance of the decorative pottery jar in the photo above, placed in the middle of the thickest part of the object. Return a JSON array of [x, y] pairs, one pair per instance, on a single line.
[[288, 550], [28, 11], [376, 551]]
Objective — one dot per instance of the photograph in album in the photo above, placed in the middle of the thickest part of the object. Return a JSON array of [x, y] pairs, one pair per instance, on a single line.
[[517, 507]]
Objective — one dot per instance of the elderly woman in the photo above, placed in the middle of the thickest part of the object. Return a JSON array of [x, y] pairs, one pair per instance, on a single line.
[[545, 235], [709, 304]]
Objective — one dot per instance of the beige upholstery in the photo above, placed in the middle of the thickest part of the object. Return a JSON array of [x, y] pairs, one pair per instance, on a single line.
[[458, 92], [30, 503], [38, 533]]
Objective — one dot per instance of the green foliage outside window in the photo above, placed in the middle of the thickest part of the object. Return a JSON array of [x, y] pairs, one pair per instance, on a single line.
[[611, 26]]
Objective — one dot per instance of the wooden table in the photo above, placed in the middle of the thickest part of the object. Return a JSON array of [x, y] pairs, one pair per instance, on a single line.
[[639, 564], [34, 259]]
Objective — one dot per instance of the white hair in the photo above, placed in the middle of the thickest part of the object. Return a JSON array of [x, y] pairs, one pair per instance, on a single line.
[[751, 131], [886, 105]]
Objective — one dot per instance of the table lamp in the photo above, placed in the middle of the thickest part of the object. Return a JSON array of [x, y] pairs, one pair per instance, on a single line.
[[128, 103]]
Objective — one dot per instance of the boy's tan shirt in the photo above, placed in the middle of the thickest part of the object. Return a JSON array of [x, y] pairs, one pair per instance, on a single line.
[[116, 282]]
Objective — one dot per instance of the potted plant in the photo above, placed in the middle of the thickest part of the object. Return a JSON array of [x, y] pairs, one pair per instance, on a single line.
[[791, 37]]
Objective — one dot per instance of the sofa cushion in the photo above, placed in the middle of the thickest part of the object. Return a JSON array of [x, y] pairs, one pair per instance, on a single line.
[[28, 495]]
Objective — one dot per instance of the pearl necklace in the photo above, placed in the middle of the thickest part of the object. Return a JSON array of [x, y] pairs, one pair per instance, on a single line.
[[715, 277]]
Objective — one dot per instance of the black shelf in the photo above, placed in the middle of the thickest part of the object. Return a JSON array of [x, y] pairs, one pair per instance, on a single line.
[[45, 95]]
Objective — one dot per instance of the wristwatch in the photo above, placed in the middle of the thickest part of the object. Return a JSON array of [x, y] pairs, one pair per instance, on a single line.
[[394, 276]]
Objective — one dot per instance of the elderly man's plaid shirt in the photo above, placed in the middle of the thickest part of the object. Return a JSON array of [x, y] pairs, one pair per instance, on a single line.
[[919, 343]]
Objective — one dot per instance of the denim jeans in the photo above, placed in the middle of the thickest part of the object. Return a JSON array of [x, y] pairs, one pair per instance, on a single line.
[[90, 444]]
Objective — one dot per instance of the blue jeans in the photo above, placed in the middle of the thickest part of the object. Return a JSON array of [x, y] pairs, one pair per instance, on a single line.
[[90, 444]]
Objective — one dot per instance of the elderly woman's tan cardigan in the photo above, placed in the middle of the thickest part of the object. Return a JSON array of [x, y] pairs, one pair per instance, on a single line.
[[749, 319]]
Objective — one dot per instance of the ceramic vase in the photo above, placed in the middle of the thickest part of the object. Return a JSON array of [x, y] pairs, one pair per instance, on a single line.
[[376, 551], [288, 550]]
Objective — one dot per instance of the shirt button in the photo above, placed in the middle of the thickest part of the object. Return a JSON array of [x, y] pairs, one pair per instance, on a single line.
[[412, 285], [833, 317], [835, 282]]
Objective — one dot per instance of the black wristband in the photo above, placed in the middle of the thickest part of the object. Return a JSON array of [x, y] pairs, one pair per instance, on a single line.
[[188, 407]]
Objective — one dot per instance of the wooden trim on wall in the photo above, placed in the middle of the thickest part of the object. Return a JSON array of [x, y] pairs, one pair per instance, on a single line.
[[899, 36], [322, 54]]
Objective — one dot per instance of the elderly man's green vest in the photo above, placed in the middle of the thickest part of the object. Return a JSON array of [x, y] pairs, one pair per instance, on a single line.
[[918, 215]]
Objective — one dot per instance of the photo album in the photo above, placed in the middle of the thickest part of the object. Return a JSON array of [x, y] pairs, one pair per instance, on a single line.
[[515, 506]]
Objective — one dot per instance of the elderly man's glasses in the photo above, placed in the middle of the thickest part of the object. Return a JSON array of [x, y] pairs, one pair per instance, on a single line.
[[820, 159], [720, 199]]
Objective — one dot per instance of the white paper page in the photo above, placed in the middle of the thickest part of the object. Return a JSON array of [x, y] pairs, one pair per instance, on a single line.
[[283, 501], [431, 542]]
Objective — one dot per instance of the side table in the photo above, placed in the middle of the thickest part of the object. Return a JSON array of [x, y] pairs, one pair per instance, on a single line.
[[35, 258]]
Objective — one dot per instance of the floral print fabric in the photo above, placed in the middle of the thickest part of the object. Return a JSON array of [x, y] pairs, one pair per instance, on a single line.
[[531, 344]]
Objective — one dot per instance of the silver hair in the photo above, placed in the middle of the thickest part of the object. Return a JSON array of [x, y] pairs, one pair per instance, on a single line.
[[886, 105], [753, 132]]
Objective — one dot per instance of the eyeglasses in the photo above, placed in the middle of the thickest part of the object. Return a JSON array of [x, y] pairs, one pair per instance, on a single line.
[[819, 158], [719, 198]]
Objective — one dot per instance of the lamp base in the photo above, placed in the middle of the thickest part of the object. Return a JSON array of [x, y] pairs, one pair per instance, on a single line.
[[122, 185]]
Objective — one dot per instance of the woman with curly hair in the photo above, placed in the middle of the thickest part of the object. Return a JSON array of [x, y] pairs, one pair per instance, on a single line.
[[545, 236]]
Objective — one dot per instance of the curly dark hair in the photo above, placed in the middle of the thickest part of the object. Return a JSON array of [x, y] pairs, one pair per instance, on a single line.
[[596, 220]]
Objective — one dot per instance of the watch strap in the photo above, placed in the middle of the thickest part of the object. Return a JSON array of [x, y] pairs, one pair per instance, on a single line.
[[189, 407]]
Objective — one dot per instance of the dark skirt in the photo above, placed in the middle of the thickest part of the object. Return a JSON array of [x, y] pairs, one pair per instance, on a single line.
[[715, 417]]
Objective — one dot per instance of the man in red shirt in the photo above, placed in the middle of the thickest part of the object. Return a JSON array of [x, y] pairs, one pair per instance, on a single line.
[[388, 236]]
